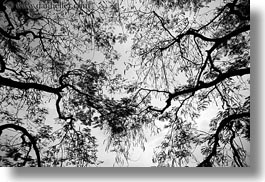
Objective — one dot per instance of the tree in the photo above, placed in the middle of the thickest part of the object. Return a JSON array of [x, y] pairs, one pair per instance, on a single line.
[[187, 57]]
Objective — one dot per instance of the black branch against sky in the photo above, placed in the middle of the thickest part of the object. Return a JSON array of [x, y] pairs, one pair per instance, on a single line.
[[44, 59]]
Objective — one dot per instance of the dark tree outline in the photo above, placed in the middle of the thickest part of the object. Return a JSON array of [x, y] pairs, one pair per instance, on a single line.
[[35, 86], [218, 42], [24, 131], [195, 33]]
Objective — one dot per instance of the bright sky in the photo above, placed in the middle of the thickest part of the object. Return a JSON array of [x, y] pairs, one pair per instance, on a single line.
[[138, 157]]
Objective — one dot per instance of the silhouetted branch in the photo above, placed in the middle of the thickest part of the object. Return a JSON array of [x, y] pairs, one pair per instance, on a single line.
[[219, 79], [223, 39], [235, 152], [30, 137], [25, 86], [2, 65], [221, 126], [163, 25]]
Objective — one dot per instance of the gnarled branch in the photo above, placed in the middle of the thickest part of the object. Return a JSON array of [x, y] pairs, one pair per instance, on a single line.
[[219, 79], [221, 126], [30, 137]]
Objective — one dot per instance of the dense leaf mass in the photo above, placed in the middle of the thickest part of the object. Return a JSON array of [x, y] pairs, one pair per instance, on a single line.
[[69, 69]]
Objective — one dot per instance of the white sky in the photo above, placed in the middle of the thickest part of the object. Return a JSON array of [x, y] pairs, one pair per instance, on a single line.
[[138, 157]]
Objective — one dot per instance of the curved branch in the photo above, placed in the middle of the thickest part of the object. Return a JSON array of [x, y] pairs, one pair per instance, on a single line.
[[221, 126], [219, 79], [216, 41], [236, 155], [61, 116], [25, 86], [30, 137]]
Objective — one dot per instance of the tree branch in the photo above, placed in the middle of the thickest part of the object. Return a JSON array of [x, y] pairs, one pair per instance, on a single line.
[[223, 39], [236, 154], [163, 25], [25, 132], [25, 86], [219, 79], [17, 36], [2, 64], [221, 126]]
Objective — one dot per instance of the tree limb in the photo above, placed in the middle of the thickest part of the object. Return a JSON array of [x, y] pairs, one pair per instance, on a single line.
[[219, 79], [25, 132], [25, 86], [221, 126], [2, 64]]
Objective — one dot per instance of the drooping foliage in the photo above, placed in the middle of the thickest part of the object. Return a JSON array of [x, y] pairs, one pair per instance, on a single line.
[[62, 77]]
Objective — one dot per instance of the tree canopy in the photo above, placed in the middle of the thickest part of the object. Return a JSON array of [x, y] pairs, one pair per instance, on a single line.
[[123, 67]]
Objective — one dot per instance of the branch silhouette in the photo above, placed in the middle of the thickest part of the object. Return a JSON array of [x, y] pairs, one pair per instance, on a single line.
[[25, 132]]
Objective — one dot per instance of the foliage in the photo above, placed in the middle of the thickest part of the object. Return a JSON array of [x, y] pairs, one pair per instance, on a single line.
[[185, 57]]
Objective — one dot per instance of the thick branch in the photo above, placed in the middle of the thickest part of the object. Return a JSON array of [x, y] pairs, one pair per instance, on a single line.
[[223, 39], [25, 86], [30, 137], [221, 126], [61, 116], [2, 65]]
